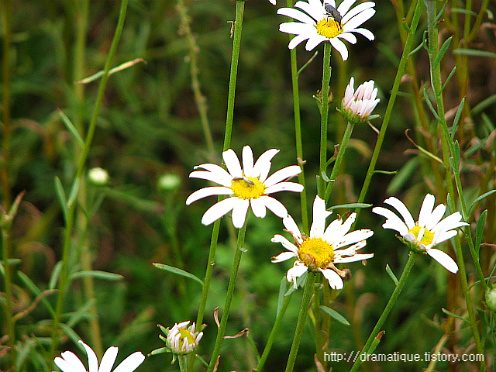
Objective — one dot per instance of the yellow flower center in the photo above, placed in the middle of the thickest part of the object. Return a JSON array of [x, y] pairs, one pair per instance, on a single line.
[[247, 187], [427, 236], [185, 334], [316, 252], [329, 28]]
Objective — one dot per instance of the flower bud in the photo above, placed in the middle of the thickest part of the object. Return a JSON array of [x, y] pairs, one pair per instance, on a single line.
[[491, 298], [98, 176], [356, 107], [169, 182]]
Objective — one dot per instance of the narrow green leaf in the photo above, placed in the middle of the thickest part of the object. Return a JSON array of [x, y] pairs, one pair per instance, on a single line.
[[454, 315], [402, 176], [59, 189], [82, 313], [453, 70], [414, 51], [97, 275], [350, 206], [480, 230], [178, 271], [457, 119], [442, 51], [334, 314], [474, 52], [74, 192], [67, 122], [35, 290], [429, 104], [474, 203], [121, 67], [485, 103], [391, 275], [283, 287], [55, 275], [71, 333]]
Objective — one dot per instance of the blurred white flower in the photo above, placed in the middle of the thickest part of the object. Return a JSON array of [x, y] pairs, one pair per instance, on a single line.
[[428, 231], [358, 105], [98, 176], [69, 362], [246, 186], [320, 22], [325, 246], [169, 182]]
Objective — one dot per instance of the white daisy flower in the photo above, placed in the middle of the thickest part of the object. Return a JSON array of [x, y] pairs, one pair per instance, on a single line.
[[428, 231], [357, 106], [324, 248], [324, 22], [69, 362], [247, 186], [182, 339]]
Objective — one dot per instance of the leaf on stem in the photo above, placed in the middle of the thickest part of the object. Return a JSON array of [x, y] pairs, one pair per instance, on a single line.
[[178, 271], [334, 314]]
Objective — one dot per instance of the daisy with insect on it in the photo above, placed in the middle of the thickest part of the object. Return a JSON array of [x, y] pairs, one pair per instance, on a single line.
[[320, 22], [430, 230], [245, 186], [357, 106], [324, 248], [69, 362]]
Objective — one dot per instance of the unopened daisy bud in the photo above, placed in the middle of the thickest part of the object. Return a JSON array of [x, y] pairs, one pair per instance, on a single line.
[[182, 339], [98, 176], [357, 105], [169, 182], [491, 298]]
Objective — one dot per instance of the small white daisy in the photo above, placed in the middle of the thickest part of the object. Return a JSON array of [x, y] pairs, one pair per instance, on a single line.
[[357, 106], [428, 231], [323, 21], [325, 246], [247, 186], [182, 339], [69, 362]]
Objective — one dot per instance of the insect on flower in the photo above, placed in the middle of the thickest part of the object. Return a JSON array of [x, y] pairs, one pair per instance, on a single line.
[[333, 13]]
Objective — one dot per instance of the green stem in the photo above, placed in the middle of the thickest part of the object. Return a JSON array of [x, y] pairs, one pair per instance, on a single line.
[[324, 114], [387, 310], [63, 282], [9, 319], [339, 159], [229, 297], [394, 92], [238, 27], [273, 333], [302, 317], [448, 149], [297, 121]]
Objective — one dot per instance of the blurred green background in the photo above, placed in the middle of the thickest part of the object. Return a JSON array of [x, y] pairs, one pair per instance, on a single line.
[[149, 127]]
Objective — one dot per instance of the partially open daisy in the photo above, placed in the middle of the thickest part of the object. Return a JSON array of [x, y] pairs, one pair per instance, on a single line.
[[324, 248], [323, 21], [69, 362], [182, 339], [358, 105], [429, 231], [246, 186]]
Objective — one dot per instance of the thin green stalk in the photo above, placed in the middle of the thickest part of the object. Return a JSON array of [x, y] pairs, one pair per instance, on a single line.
[[339, 159], [387, 309], [194, 72], [302, 317], [229, 297], [6, 10], [448, 150], [394, 92], [238, 27], [63, 281], [324, 114], [297, 118], [273, 333]]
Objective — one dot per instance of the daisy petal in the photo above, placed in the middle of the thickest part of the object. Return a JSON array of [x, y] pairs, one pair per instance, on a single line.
[[130, 363], [444, 259], [213, 177], [69, 362], [282, 175], [284, 186], [248, 162], [392, 220], [108, 359], [292, 227], [402, 209], [364, 32], [282, 257], [258, 207], [208, 191], [319, 216], [340, 47], [436, 216], [426, 210], [217, 210], [232, 163], [92, 359], [295, 272], [275, 206], [262, 165], [296, 14], [240, 209], [285, 243], [314, 41], [335, 281], [355, 258]]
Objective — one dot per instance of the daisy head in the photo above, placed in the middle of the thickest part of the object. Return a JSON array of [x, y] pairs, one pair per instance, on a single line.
[[429, 231], [324, 248], [247, 185], [181, 339], [357, 105], [69, 362], [320, 22]]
